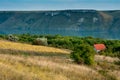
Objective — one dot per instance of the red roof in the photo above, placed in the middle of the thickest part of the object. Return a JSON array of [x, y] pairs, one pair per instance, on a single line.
[[99, 46]]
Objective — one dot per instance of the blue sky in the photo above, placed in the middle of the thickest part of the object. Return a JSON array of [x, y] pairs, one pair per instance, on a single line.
[[59, 4]]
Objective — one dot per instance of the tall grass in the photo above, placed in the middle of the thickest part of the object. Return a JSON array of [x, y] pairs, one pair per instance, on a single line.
[[31, 48], [31, 68], [17, 64]]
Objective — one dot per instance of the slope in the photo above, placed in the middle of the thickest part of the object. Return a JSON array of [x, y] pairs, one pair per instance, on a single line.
[[18, 66], [29, 48], [103, 24]]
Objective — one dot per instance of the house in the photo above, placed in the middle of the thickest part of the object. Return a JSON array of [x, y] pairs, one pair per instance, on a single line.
[[99, 47]]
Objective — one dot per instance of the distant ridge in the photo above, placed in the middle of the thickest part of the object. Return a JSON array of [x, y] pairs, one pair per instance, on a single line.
[[103, 24]]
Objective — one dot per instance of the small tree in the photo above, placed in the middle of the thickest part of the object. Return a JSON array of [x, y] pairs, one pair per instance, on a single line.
[[83, 54], [40, 41]]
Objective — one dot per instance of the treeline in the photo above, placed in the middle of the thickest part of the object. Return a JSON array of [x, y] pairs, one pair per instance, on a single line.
[[69, 42]]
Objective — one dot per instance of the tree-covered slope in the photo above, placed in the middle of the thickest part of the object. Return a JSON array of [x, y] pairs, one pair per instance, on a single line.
[[103, 24]]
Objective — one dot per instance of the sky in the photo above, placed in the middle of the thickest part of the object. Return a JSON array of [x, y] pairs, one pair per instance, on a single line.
[[59, 4]]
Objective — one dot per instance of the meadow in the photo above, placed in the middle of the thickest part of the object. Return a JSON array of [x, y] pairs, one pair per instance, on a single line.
[[20, 61]]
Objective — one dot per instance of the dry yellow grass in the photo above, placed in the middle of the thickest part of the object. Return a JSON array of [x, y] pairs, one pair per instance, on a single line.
[[20, 67], [40, 67], [108, 67], [116, 74], [30, 48], [32, 68], [105, 58]]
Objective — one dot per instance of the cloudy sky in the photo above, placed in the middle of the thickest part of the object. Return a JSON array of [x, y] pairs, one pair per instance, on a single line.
[[59, 4]]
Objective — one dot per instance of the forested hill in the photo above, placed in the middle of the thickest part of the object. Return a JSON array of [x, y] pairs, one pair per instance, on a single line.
[[103, 24]]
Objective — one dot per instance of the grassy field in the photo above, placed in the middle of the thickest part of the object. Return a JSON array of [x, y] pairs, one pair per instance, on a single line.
[[31, 48], [27, 62]]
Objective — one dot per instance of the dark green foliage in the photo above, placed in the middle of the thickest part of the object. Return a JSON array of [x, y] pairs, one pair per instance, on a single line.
[[83, 54], [117, 62], [62, 42], [27, 38], [3, 36]]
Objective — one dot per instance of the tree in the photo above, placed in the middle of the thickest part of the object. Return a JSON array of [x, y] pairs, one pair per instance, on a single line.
[[83, 54]]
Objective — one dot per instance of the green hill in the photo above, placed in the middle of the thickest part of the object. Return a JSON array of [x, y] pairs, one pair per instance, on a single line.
[[103, 24]]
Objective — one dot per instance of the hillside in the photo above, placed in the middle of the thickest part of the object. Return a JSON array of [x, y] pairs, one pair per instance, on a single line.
[[16, 58], [28, 62], [103, 24], [6, 45]]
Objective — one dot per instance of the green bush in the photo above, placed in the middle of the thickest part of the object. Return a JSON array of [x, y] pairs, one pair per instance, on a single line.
[[83, 54], [40, 41]]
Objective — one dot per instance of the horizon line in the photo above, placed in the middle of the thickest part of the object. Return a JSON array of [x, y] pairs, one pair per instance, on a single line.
[[58, 9]]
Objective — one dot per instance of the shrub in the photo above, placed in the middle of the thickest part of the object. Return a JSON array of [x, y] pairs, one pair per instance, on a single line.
[[40, 41], [117, 62], [2, 36], [12, 38], [83, 54]]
